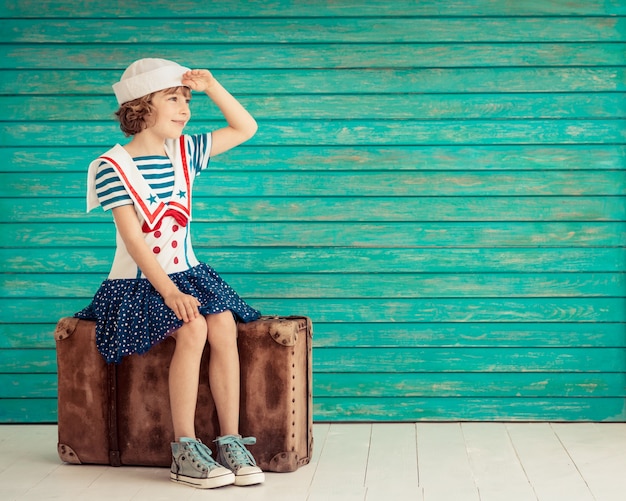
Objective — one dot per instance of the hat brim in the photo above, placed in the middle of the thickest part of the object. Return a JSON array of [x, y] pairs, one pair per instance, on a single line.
[[155, 80]]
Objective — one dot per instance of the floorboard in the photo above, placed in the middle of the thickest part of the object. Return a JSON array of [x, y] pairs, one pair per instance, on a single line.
[[599, 452], [444, 469], [359, 462], [392, 463], [341, 470], [497, 471], [547, 464]]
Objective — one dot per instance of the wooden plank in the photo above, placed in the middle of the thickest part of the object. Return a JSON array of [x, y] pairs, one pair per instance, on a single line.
[[346, 449], [400, 335], [598, 452], [344, 234], [497, 470], [458, 207], [322, 56], [442, 450], [355, 107], [547, 463], [303, 477], [77, 482], [27, 335], [421, 409], [417, 384], [27, 410], [489, 158], [469, 409], [372, 360], [364, 360], [549, 310], [89, 260], [309, 8], [386, 186], [392, 455], [458, 92], [316, 30], [24, 444], [278, 82], [14, 362], [444, 334], [401, 385], [27, 464], [356, 285], [90, 481], [334, 208], [28, 385], [346, 133], [371, 335]]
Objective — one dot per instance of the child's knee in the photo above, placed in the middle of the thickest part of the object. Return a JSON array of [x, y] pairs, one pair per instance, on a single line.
[[193, 334], [221, 327]]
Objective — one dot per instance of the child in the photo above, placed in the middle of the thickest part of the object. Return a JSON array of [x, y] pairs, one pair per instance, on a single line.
[[157, 288]]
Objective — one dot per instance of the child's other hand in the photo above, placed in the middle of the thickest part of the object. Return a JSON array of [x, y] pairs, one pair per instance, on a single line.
[[199, 80], [184, 306]]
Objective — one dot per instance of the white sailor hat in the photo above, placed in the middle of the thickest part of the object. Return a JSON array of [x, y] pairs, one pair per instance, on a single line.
[[148, 75]]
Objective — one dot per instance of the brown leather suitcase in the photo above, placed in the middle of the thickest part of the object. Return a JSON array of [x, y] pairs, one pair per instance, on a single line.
[[120, 414]]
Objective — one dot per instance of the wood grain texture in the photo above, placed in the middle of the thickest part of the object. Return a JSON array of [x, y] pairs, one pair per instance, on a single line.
[[379, 311], [326, 56], [281, 158], [460, 207], [512, 188], [434, 106], [346, 133], [299, 30], [358, 285], [440, 187], [280, 82], [311, 8]]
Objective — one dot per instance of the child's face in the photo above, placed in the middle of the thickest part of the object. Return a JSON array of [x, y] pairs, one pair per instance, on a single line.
[[171, 113]]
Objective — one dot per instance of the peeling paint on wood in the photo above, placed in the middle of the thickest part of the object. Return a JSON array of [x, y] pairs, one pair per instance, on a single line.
[[440, 186]]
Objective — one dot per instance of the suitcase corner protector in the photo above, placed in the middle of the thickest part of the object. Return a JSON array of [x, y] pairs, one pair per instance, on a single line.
[[284, 462], [67, 454], [65, 328]]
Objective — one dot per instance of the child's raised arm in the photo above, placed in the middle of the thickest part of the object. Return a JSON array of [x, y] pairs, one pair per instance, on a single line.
[[241, 125]]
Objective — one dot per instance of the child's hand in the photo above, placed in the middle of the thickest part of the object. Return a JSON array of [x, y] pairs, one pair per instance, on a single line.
[[184, 306], [199, 80]]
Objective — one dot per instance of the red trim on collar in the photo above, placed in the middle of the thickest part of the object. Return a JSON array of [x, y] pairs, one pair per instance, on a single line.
[[151, 216]]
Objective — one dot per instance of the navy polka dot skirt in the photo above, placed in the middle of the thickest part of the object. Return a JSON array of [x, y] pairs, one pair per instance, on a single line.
[[131, 316]]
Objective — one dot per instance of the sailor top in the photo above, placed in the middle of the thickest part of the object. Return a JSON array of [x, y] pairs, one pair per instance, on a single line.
[[160, 189]]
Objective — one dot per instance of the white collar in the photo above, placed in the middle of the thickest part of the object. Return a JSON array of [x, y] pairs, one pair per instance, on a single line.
[[146, 201]]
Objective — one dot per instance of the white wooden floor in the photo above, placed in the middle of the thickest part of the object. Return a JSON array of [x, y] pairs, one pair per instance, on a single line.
[[364, 462]]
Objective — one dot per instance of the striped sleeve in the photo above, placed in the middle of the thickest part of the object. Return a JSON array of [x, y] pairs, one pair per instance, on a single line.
[[199, 150], [109, 188]]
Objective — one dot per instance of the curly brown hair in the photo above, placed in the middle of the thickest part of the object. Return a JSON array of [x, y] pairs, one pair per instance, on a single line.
[[133, 115]]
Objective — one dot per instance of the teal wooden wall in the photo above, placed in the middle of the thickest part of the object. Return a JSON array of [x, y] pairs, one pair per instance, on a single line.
[[439, 185]]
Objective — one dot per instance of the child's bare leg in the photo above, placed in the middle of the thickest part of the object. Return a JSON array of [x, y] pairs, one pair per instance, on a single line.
[[224, 370], [224, 379], [184, 376]]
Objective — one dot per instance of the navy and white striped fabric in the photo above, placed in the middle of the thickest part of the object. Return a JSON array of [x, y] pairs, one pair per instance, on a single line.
[[156, 170]]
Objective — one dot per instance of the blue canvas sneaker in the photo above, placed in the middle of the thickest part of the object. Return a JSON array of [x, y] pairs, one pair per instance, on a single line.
[[193, 465], [232, 453]]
